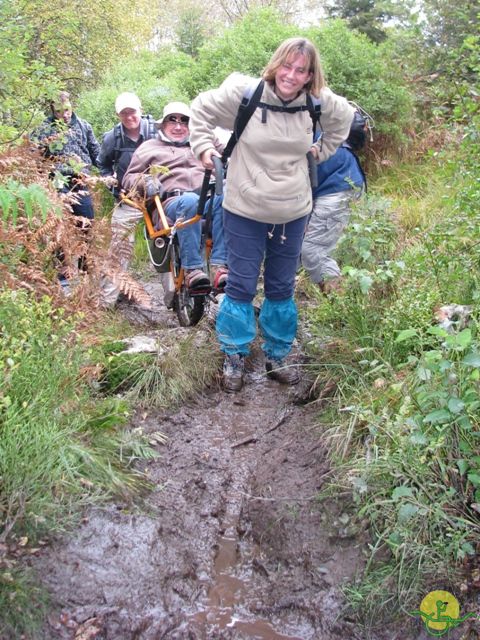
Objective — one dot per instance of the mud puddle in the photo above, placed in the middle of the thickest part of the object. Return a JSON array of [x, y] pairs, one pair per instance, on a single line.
[[232, 543]]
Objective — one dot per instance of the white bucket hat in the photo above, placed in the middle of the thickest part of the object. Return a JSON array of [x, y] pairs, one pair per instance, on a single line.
[[175, 107]]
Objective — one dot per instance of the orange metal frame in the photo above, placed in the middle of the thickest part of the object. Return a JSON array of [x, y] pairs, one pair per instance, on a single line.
[[166, 228]]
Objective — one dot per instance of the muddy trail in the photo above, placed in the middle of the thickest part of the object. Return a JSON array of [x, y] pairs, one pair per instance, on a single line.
[[232, 543]]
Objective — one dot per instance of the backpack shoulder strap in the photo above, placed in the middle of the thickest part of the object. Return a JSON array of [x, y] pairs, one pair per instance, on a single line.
[[315, 109], [151, 127], [117, 144], [249, 103]]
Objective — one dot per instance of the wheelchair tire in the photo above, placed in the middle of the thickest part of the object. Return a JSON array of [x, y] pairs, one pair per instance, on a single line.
[[189, 309]]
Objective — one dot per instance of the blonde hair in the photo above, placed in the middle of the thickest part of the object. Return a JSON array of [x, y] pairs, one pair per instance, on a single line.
[[289, 48]]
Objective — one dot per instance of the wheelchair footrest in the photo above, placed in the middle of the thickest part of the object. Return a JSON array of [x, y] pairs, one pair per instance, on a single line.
[[201, 290]]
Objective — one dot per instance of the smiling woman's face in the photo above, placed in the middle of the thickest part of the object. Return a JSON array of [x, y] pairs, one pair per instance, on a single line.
[[292, 76]]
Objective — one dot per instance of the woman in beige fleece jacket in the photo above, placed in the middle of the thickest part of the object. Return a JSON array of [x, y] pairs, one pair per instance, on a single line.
[[268, 197]]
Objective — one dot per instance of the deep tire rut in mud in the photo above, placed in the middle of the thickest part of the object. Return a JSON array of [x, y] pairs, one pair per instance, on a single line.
[[232, 543]]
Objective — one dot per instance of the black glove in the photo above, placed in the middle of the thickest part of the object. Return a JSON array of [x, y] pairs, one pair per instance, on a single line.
[[153, 186]]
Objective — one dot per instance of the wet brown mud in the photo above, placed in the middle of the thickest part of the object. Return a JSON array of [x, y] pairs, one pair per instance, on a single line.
[[232, 543]]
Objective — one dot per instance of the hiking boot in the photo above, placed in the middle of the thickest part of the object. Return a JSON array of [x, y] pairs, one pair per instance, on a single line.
[[220, 276], [196, 279], [233, 369], [281, 372]]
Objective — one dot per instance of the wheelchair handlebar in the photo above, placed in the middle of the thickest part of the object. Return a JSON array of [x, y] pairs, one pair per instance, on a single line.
[[312, 170], [207, 182], [219, 175]]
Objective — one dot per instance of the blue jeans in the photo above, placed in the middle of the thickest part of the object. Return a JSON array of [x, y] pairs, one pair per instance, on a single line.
[[185, 206], [251, 244]]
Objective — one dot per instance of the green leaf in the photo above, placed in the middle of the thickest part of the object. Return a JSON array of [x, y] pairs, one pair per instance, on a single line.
[[444, 365], [464, 338], [439, 416], [406, 512], [465, 446], [472, 359], [423, 373], [401, 492], [464, 422], [438, 331], [474, 478], [455, 405], [365, 283], [462, 466], [395, 539], [418, 437], [406, 334], [468, 548]]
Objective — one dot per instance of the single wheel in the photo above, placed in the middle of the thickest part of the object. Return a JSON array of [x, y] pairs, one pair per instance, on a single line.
[[189, 309]]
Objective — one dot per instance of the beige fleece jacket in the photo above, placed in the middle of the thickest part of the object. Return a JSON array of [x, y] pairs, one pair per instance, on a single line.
[[267, 177]]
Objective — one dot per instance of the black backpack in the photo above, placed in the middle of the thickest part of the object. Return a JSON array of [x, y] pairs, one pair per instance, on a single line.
[[358, 132]]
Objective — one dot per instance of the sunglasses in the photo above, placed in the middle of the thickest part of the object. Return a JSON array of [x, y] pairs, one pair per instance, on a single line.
[[180, 120]]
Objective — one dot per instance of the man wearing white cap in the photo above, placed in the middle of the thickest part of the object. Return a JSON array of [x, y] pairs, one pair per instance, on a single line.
[[179, 189], [117, 148]]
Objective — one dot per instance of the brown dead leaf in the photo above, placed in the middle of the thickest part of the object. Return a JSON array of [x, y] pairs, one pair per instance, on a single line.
[[89, 629], [67, 621]]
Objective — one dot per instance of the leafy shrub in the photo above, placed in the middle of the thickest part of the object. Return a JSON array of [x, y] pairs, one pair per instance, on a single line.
[[152, 76], [361, 71], [358, 70], [245, 47]]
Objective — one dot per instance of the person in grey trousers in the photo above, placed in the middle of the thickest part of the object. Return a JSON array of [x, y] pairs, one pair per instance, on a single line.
[[341, 181]]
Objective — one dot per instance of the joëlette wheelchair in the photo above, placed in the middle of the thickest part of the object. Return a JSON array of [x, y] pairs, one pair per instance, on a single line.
[[164, 248]]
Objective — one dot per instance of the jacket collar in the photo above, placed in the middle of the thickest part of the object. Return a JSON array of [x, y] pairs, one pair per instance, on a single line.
[[271, 97], [183, 143]]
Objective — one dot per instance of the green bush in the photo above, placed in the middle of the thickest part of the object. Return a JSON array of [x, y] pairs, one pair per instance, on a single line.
[[406, 439], [245, 47], [152, 76], [364, 72]]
